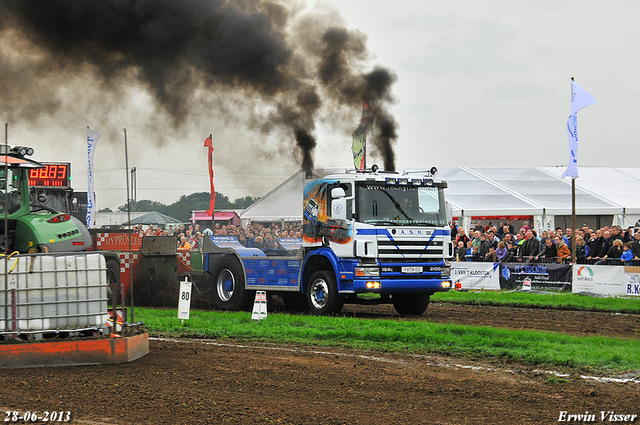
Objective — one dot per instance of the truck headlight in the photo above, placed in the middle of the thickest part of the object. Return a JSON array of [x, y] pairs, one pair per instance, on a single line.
[[373, 285], [367, 271]]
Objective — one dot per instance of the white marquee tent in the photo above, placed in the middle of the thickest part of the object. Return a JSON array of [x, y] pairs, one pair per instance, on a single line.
[[604, 196], [541, 194]]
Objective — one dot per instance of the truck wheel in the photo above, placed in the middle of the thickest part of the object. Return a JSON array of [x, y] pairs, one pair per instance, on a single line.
[[113, 280], [322, 294], [229, 293], [410, 304]]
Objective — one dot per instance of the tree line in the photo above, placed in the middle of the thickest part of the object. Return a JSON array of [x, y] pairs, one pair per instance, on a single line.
[[181, 209]]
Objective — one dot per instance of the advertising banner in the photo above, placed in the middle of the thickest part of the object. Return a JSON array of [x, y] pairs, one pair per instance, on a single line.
[[603, 280], [554, 276], [632, 283], [92, 140], [290, 244], [474, 275]]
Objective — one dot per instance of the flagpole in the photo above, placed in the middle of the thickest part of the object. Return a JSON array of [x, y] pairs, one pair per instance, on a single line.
[[573, 220], [126, 160], [6, 228], [573, 215]]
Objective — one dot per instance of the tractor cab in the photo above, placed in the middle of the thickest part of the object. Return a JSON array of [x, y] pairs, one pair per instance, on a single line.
[[27, 226]]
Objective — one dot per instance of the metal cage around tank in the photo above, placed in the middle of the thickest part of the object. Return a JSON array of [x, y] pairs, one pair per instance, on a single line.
[[53, 293]]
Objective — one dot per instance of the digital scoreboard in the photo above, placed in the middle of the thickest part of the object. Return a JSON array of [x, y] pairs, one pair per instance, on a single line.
[[54, 175]]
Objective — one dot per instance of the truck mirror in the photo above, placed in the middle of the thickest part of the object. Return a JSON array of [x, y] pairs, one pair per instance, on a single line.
[[337, 192], [449, 212]]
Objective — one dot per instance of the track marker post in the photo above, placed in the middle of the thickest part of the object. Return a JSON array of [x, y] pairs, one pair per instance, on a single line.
[[184, 299], [259, 306]]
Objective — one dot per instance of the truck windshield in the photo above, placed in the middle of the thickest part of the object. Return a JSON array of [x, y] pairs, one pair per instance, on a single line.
[[401, 205]]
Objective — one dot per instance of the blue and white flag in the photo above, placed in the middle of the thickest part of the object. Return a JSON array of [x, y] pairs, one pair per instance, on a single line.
[[92, 140], [579, 99]]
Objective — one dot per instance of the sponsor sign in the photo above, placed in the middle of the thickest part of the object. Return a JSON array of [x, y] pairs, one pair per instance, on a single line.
[[603, 280], [513, 275], [290, 244], [118, 241], [226, 242], [472, 275], [632, 285]]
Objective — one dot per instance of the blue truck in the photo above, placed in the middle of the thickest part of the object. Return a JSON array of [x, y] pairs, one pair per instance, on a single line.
[[364, 232]]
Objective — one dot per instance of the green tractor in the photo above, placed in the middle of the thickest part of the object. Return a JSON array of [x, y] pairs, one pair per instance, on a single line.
[[27, 226]]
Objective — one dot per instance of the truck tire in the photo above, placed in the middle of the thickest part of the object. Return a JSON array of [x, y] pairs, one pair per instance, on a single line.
[[322, 294], [411, 304], [113, 280], [229, 293]]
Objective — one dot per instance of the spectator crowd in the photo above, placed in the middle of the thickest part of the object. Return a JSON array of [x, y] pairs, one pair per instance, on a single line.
[[608, 245]]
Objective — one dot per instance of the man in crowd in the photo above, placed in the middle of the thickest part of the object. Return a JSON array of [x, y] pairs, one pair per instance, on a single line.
[[476, 239], [508, 237], [462, 236], [492, 238], [635, 245], [530, 247], [599, 246], [484, 245], [616, 233], [505, 232], [568, 237], [549, 252]]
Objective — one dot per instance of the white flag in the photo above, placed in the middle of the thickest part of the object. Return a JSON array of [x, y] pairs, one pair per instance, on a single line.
[[92, 140], [579, 99]]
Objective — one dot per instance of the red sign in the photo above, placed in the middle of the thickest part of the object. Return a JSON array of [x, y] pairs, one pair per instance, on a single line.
[[118, 241], [499, 217]]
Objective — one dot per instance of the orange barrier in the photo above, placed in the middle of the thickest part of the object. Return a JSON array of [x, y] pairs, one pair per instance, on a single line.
[[74, 352]]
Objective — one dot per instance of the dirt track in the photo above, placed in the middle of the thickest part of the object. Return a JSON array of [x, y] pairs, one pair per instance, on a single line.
[[200, 382]]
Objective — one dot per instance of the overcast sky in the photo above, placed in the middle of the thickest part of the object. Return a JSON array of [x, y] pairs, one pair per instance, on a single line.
[[478, 83]]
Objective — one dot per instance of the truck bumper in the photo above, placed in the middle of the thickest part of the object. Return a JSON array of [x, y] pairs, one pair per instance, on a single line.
[[377, 285]]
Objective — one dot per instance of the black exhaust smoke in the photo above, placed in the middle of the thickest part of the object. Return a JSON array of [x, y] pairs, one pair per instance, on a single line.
[[176, 50]]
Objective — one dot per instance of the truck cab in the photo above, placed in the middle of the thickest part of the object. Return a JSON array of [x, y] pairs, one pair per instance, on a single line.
[[388, 233]]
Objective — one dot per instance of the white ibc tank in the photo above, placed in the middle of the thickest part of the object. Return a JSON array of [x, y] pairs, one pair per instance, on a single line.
[[53, 292]]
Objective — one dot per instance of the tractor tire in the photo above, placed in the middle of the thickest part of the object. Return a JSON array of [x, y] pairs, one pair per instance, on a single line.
[[113, 280], [229, 293], [411, 304], [322, 294]]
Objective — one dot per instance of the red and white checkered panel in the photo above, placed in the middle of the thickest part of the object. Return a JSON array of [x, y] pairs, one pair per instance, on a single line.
[[100, 239], [185, 256], [125, 260]]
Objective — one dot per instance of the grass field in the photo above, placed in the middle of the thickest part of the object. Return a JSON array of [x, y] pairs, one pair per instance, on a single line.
[[521, 346], [554, 300]]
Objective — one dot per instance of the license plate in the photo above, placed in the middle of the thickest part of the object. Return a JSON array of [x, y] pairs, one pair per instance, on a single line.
[[412, 269]]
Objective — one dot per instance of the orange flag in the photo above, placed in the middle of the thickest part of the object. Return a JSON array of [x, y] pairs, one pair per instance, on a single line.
[[209, 144]]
